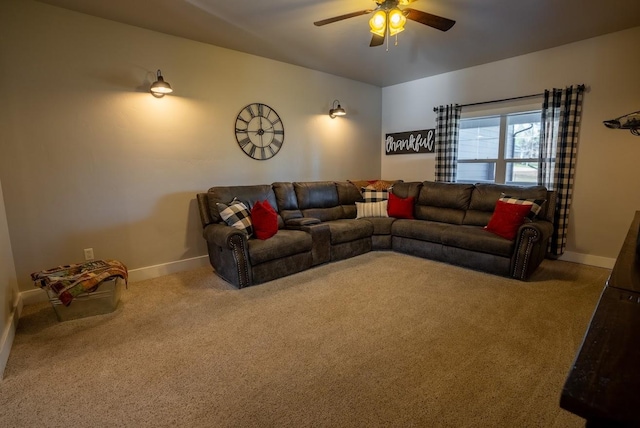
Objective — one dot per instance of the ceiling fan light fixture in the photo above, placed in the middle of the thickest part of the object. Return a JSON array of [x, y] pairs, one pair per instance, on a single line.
[[396, 21], [378, 23]]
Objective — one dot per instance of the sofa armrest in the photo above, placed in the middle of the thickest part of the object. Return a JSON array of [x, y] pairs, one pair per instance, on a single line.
[[221, 234], [229, 253], [531, 247], [320, 242]]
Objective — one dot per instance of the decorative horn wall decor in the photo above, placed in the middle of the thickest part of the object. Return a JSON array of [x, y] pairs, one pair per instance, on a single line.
[[629, 121]]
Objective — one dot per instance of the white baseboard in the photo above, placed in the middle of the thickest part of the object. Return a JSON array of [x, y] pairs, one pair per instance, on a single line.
[[155, 271], [31, 297], [587, 259], [6, 340], [34, 296]]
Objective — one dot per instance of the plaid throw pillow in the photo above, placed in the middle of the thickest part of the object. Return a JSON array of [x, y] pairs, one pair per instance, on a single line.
[[536, 204], [373, 195], [236, 214]]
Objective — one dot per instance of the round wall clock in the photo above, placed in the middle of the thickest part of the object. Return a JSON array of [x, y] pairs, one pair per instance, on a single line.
[[259, 131]]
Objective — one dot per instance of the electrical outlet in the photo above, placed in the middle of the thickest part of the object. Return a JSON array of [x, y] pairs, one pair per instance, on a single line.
[[88, 253]]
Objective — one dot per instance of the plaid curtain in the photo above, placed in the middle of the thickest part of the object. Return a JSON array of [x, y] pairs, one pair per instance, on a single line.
[[561, 113], [447, 128]]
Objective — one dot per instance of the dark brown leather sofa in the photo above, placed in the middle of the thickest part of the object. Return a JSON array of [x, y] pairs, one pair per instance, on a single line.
[[317, 224]]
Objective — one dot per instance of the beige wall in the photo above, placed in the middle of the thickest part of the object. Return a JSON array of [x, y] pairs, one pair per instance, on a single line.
[[88, 158], [606, 185]]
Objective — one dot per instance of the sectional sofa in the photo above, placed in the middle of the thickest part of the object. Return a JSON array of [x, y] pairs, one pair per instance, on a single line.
[[317, 223]]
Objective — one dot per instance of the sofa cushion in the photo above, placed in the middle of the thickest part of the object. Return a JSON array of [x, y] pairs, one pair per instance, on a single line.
[[283, 244], [400, 207], [476, 238], [286, 201], [422, 230], [472, 238], [371, 209], [348, 195], [381, 184], [248, 195], [381, 225], [374, 195], [325, 214], [408, 189], [535, 204], [375, 184], [507, 218], [347, 230], [317, 194], [443, 202], [264, 219], [484, 198], [237, 215], [319, 199]]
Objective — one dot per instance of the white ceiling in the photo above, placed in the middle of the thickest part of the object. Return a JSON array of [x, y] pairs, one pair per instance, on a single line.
[[485, 31]]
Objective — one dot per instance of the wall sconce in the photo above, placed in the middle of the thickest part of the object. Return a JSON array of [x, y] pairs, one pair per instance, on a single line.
[[336, 111], [160, 88], [629, 121]]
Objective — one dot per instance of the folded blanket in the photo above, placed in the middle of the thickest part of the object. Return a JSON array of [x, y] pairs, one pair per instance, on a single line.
[[68, 281]]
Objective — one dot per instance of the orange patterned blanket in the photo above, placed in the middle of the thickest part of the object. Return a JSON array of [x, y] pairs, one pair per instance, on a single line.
[[68, 281]]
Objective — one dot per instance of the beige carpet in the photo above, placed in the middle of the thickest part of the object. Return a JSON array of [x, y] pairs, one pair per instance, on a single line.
[[380, 340]]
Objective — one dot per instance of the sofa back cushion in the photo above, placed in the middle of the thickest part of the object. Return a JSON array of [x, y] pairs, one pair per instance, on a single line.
[[348, 195], [248, 195], [443, 202], [485, 196], [287, 202], [407, 190], [319, 199]]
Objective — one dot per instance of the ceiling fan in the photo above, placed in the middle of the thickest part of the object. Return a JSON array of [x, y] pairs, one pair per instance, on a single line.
[[389, 19]]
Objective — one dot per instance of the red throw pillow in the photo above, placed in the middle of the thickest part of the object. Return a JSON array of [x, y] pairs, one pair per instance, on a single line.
[[400, 207], [264, 219], [507, 218]]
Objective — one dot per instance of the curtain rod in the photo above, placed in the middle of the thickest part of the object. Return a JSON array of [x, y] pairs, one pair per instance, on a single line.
[[504, 99]]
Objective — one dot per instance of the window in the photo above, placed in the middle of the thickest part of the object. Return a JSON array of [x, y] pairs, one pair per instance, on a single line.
[[499, 149]]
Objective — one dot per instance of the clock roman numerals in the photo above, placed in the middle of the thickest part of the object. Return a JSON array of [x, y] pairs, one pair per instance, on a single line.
[[272, 152]]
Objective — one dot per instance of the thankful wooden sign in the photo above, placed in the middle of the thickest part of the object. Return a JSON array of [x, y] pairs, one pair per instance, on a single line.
[[410, 142]]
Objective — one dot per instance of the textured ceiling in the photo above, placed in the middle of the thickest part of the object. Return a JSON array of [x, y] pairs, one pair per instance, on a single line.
[[485, 31]]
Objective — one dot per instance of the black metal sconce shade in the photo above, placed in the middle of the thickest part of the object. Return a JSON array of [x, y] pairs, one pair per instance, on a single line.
[[336, 111], [629, 121], [160, 88]]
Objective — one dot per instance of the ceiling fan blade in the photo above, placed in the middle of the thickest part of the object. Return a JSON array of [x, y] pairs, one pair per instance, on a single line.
[[435, 21], [341, 17], [376, 40]]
